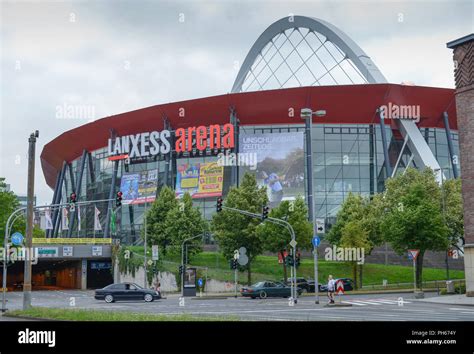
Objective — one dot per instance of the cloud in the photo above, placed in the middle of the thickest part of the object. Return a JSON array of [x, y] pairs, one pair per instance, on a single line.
[[129, 55]]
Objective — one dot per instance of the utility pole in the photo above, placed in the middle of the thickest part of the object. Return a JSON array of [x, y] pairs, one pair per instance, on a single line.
[[307, 115], [29, 221]]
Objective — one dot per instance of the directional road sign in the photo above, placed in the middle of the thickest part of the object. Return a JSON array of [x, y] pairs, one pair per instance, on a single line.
[[412, 254], [339, 287], [17, 239], [316, 241]]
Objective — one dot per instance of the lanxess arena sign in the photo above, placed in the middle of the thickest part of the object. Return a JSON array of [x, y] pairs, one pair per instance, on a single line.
[[154, 143]]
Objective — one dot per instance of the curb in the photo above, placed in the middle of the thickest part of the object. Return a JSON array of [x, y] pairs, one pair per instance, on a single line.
[[338, 305], [33, 318]]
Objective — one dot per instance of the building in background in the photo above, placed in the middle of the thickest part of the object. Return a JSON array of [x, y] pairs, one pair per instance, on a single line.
[[372, 130]]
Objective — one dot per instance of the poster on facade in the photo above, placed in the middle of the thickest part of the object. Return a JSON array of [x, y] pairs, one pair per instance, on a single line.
[[200, 180], [139, 187], [280, 163]]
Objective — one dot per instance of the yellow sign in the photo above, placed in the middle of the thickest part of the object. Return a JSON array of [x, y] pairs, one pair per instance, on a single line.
[[73, 241], [211, 179]]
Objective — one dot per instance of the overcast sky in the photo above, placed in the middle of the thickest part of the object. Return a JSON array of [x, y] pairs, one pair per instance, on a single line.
[[118, 56]]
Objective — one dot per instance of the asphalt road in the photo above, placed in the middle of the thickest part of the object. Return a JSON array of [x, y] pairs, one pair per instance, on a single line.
[[379, 307]]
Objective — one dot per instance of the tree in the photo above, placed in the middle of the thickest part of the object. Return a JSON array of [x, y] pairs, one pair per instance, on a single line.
[[233, 230], [156, 218], [8, 204], [362, 215], [452, 206], [413, 218], [182, 222], [355, 235], [276, 238]]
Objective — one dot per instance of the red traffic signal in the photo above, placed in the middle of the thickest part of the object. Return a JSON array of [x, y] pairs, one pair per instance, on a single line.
[[219, 204], [118, 199]]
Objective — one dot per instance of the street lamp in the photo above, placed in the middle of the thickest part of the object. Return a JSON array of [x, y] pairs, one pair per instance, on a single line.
[[307, 115]]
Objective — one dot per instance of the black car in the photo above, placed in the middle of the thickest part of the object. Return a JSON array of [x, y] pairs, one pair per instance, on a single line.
[[306, 285], [126, 291], [348, 284], [264, 289]]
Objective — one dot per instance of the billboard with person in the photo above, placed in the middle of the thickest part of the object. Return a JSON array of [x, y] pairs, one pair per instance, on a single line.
[[139, 187], [280, 163]]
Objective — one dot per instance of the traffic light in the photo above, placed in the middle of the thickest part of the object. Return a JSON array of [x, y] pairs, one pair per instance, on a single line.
[[181, 269], [118, 199], [233, 264], [265, 211], [219, 204], [298, 260], [72, 197], [289, 260]]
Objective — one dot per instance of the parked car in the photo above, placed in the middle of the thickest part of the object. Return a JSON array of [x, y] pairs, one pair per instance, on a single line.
[[264, 289], [348, 284], [306, 285], [126, 291]]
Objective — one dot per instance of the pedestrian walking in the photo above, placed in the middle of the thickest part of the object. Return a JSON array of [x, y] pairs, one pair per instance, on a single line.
[[331, 289]]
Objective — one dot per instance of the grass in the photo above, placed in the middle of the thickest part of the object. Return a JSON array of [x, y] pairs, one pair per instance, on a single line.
[[94, 315], [268, 268]]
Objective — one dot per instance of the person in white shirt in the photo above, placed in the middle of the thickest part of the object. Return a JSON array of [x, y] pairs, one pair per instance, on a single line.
[[331, 289]]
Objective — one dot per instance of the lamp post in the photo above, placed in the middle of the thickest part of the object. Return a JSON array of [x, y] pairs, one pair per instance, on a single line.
[[307, 115]]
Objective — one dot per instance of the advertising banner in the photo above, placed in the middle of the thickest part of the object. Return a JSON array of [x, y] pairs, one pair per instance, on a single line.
[[139, 187], [201, 180], [280, 163]]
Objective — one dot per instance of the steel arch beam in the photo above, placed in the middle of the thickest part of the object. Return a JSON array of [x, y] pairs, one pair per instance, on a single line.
[[333, 34]]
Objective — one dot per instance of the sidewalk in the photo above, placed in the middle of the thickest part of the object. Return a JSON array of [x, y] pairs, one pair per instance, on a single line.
[[451, 300]]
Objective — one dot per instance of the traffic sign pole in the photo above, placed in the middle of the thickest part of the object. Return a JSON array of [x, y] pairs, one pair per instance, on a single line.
[[316, 277]]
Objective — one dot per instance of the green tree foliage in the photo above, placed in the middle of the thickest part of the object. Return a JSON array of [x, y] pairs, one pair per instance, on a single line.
[[276, 238], [156, 218], [413, 217], [233, 230], [8, 204], [452, 205], [182, 222], [355, 235]]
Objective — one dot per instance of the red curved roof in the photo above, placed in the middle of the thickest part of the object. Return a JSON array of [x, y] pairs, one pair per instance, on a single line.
[[345, 104]]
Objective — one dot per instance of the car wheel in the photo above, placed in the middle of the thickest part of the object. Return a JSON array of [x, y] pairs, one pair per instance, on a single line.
[[109, 298], [148, 298], [263, 295]]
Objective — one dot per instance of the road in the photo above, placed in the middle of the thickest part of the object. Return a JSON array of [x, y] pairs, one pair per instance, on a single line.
[[379, 307]]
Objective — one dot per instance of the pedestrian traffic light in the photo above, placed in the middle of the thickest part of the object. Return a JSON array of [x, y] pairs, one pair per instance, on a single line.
[[298, 260], [118, 199], [233, 264], [72, 197], [289, 260], [265, 212], [219, 204], [181, 269]]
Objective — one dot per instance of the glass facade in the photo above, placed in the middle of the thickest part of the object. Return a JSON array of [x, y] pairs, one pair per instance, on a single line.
[[346, 158]]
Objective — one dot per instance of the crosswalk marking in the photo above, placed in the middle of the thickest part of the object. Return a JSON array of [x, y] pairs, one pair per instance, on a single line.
[[376, 302]]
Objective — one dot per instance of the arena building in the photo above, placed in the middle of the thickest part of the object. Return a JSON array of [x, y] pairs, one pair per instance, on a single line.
[[371, 130]]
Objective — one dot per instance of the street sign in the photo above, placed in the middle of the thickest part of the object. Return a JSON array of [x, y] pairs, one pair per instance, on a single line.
[[316, 241], [200, 282], [320, 226], [293, 243], [412, 254], [339, 287], [154, 252], [243, 260], [17, 239]]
